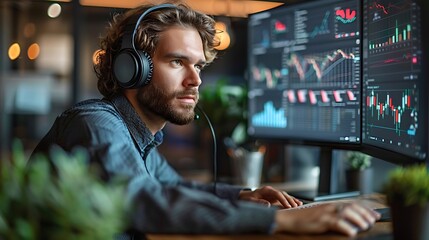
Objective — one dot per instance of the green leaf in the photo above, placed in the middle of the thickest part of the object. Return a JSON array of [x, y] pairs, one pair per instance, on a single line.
[[58, 198], [358, 160], [411, 184]]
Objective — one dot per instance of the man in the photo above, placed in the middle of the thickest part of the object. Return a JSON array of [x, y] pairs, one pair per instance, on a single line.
[[149, 75]]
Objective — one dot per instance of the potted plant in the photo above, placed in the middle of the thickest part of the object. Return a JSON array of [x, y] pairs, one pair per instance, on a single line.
[[225, 105], [407, 194], [359, 173], [66, 202]]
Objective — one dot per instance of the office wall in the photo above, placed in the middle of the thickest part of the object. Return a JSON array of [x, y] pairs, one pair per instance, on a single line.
[[57, 40]]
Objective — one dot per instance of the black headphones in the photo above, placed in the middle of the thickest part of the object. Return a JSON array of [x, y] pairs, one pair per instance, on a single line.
[[133, 68]]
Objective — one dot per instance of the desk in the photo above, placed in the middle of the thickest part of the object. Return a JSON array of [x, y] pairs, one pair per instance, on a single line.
[[379, 228], [372, 200]]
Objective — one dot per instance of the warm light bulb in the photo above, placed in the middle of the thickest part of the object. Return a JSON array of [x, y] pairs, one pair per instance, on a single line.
[[222, 36], [224, 39], [14, 51], [220, 26], [33, 51]]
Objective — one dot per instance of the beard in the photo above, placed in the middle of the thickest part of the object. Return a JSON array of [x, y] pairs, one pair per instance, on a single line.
[[159, 102]]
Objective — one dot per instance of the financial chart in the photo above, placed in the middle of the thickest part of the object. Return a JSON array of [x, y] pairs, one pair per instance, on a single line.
[[392, 76], [305, 65]]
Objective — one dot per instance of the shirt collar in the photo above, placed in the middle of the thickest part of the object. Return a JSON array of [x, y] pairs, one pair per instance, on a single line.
[[141, 134]]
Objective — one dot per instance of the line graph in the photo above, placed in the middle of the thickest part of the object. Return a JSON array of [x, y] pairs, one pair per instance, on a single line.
[[270, 78], [390, 8], [395, 60], [336, 65], [323, 28]]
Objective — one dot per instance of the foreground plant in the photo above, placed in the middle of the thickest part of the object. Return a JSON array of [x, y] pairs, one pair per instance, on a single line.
[[58, 199], [410, 184]]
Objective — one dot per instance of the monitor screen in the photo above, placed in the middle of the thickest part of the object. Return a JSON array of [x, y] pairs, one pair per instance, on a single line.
[[395, 88], [304, 65], [305, 72]]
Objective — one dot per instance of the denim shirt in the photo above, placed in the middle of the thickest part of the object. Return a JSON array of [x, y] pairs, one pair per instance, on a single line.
[[122, 145]]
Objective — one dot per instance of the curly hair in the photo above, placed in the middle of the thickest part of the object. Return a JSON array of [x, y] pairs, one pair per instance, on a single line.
[[147, 37]]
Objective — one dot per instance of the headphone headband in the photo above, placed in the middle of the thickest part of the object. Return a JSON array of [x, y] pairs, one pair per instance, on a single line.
[[132, 68], [143, 15]]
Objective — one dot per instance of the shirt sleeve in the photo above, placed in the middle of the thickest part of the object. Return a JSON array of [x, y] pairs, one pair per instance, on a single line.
[[187, 211], [193, 207], [161, 201]]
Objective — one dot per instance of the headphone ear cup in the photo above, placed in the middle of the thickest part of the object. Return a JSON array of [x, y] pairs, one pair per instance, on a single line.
[[132, 69], [125, 68], [146, 69]]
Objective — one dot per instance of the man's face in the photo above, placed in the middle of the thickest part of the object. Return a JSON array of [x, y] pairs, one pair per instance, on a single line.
[[173, 91]]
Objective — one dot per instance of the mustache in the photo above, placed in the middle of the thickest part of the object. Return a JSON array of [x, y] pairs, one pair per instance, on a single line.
[[188, 92]]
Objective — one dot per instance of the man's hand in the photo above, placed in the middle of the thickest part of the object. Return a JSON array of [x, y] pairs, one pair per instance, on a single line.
[[345, 218], [269, 196]]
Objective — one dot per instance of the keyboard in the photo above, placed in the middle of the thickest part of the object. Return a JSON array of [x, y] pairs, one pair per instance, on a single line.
[[306, 205], [385, 214]]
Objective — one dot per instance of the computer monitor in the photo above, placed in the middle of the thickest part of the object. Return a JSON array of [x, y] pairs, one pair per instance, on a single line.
[[395, 80], [304, 64]]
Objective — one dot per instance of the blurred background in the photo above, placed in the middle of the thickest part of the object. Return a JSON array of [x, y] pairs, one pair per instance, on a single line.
[[47, 52]]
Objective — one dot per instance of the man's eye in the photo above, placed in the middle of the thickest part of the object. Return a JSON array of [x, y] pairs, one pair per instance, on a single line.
[[177, 62], [199, 67]]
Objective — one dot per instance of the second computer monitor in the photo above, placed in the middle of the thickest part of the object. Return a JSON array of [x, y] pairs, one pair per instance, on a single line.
[[395, 80]]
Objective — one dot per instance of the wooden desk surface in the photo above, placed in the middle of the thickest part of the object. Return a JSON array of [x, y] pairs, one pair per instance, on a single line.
[[372, 201]]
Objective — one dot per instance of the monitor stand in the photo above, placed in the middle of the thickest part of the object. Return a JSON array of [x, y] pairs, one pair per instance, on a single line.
[[328, 181]]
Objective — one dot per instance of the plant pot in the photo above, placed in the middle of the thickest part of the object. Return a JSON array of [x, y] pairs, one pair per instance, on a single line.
[[248, 169], [359, 180], [409, 222]]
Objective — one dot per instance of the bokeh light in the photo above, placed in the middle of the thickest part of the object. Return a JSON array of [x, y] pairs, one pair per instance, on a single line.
[[222, 35], [14, 51], [33, 51], [54, 10]]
